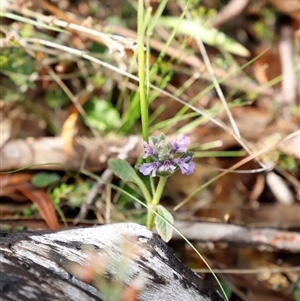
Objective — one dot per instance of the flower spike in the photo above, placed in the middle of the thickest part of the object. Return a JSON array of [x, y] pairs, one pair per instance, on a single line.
[[163, 154]]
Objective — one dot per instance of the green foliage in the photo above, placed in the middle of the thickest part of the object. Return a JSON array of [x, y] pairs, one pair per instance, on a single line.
[[44, 179], [19, 67], [297, 290], [164, 223], [60, 192], [210, 36], [56, 98], [264, 27], [19, 229], [125, 200], [97, 48], [225, 289], [27, 30], [124, 171], [102, 115], [78, 194], [296, 111], [29, 211], [287, 162], [74, 194], [132, 113]]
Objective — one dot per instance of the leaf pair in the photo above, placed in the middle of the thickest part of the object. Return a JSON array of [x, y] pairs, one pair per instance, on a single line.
[[163, 218]]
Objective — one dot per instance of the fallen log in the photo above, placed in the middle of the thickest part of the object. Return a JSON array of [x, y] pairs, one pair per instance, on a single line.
[[49, 153], [52, 265], [86, 153]]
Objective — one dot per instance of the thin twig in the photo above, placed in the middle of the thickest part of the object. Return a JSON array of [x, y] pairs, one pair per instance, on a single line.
[[107, 174], [229, 11], [251, 271], [221, 232], [215, 82]]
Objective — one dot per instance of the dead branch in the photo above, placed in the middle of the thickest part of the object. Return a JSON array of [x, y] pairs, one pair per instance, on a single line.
[[93, 153], [49, 153], [219, 232], [38, 266]]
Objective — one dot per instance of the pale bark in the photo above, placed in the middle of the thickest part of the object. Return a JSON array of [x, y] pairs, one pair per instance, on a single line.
[[38, 266]]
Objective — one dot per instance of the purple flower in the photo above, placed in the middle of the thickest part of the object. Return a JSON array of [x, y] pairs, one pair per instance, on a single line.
[[148, 168], [149, 150], [181, 143], [163, 153], [185, 166]]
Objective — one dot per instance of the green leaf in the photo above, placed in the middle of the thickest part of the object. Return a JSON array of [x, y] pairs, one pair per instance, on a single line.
[[161, 137], [164, 223], [124, 170], [210, 36], [44, 179], [102, 115], [154, 140], [188, 154]]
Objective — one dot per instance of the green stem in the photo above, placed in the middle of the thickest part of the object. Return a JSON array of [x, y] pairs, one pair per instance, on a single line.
[[141, 70], [155, 202], [146, 193], [144, 91]]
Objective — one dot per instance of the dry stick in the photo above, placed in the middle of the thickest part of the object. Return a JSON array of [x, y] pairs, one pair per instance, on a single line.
[[216, 83], [236, 234], [106, 175], [108, 204], [293, 180], [217, 86], [251, 271], [235, 166], [229, 11], [113, 42], [288, 85]]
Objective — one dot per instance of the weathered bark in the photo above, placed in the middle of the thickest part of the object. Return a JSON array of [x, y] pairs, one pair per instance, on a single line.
[[37, 266]]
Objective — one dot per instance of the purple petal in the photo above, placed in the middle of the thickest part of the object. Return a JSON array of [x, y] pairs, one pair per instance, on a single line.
[[181, 143], [149, 150], [186, 168], [148, 168], [167, 166], [190, 168]]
